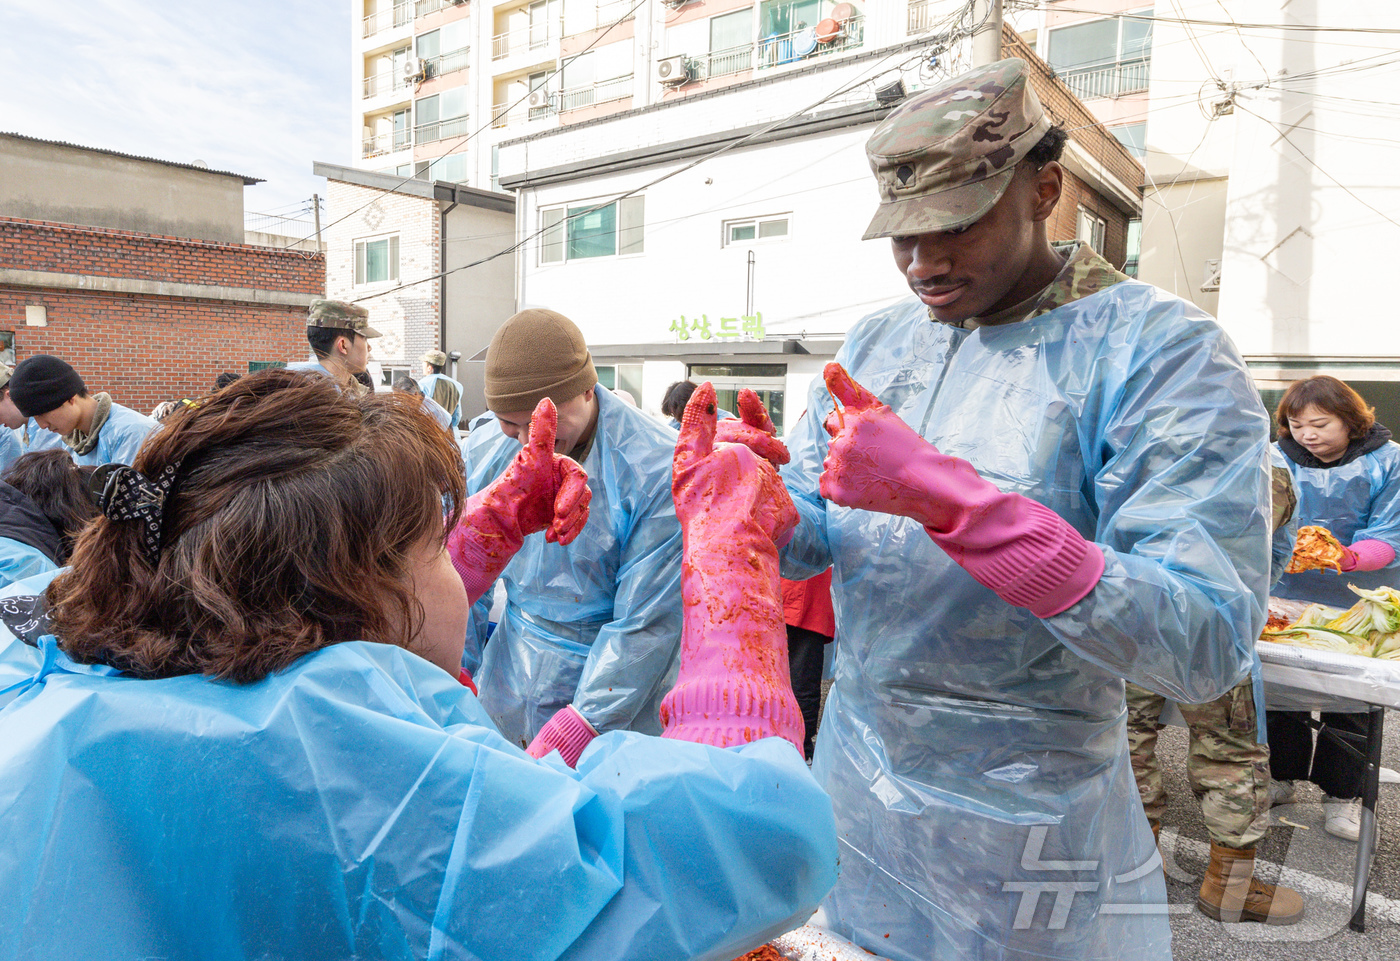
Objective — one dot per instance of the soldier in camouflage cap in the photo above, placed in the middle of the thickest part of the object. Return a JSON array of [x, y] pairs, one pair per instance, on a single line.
[[341, 316], [1078, 401], [339, 333], [944, 157]]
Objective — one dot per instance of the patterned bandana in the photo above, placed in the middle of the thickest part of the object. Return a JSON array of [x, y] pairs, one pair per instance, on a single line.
[[125, 494]]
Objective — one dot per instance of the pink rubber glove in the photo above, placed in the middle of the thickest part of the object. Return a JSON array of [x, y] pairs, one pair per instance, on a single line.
[[733, 686], [754, 429], [567, 732], [1367, 555], [539, 491], [1025, 552]]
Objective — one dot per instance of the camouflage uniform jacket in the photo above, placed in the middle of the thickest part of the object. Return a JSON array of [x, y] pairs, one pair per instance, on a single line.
[[1083, 274]]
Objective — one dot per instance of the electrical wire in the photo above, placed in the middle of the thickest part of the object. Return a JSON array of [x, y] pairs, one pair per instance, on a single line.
[[1303, 27]]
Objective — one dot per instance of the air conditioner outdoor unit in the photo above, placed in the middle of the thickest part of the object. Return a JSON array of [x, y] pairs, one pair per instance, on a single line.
[[539, 98], [673, 70], [412, 69]]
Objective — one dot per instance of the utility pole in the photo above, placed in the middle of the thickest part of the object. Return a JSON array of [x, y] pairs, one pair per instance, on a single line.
[[986, 39], [316, 208]]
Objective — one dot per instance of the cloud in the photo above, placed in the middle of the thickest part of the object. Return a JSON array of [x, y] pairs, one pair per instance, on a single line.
[[253, 86]]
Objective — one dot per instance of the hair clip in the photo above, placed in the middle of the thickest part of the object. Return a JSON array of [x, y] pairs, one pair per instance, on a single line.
[[124, 493]]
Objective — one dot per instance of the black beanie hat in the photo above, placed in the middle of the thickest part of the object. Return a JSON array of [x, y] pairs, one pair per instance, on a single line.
[[43, 382]]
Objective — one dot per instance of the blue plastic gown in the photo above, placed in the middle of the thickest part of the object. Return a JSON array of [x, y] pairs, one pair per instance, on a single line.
[[596, 624], [1356, 501], [11, 447], [33, 437], [119, 438], [19, 661], [19, 561], [361, 805], [428, 382], [974, 753]]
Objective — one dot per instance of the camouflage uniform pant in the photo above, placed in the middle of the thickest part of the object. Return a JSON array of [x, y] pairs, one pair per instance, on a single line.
[[1227, 767]]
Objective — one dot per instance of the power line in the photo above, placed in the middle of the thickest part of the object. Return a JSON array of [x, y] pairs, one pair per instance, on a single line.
[[1301, 27]]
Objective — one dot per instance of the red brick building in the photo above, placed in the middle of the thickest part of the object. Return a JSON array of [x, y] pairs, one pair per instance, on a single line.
[[148, 315]]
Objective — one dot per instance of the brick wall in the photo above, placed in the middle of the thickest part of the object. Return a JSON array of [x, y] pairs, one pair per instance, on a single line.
[[407, 318], [103, 252], [141, 348], [1064, 221]]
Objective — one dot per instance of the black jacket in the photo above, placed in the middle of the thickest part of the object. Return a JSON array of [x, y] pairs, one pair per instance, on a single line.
[[21, 520]]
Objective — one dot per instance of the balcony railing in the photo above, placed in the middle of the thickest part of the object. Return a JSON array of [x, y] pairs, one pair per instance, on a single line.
[[614, 11], [534, 37], [722, 63], [1113, 80], [616, 89], [387, 143], [384, 83], [424, 7], [400, 14], [449, 62], [441, 130], [778, 49]]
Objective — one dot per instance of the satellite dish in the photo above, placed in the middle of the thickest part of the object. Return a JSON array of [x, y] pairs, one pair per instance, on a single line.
[[199, 163]]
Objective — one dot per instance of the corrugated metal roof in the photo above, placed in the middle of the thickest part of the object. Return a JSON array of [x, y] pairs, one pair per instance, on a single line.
[[117, 153]]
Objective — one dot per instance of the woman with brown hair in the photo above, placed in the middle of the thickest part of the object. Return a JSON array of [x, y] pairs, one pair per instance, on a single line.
[[247, 739], [1346, 471]]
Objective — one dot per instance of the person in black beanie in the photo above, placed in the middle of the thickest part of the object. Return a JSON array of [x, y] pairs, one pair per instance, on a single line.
[[96, 430]]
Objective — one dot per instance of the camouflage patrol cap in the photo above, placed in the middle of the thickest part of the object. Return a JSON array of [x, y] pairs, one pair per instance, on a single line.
[[945, 156], [341, 316]]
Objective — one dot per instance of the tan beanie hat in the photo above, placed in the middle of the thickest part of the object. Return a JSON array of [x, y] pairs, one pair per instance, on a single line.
[[536, 354]]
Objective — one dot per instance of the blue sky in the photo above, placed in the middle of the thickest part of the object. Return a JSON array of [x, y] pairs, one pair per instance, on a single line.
[[258, 87]]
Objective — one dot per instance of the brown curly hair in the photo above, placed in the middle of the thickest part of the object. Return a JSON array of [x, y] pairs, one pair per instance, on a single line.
[[287, 530]]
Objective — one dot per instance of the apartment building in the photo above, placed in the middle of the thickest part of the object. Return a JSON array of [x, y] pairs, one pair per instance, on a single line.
[[747, 270]]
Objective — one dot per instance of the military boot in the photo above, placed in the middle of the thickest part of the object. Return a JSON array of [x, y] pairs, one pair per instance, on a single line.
[[1231, 893]]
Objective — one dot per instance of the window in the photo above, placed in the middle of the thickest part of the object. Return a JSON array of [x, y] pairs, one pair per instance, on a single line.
[[377, 261], [451, 168], [1090, 229], [581, 231], [768, 381], [756, 229], [443, 115], [626, 377], [731, 30], [1130, 265], [544, 19], [537, 81], [445, 49], [1133, 136], [1103, 58]]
